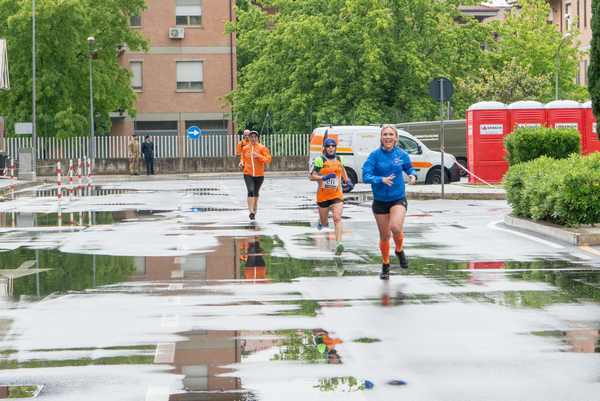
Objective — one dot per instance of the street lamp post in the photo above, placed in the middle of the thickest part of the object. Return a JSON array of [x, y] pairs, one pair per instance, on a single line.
[[91, 44], [33, 93], [557, 72]]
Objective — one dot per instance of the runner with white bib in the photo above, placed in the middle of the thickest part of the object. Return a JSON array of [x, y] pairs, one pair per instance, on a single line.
[[328, 170]]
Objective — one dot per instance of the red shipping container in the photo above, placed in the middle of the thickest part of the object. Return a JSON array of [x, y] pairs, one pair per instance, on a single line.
[[590, 140], [487, 125], [526, 114]]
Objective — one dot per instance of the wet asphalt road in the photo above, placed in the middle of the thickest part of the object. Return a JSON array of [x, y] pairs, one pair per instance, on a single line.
[[165, 291]]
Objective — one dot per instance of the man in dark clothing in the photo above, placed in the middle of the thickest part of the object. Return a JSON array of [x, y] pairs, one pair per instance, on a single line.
[[148, 153]]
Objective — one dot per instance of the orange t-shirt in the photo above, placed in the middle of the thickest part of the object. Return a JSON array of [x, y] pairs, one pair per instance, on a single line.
[[332, 188], [254, 165]]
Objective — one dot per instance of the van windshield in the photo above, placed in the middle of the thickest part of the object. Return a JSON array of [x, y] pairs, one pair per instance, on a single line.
[[409, 146]]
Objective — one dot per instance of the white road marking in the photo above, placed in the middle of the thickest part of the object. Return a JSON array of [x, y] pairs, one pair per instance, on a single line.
[[158, 394], [494, 226]]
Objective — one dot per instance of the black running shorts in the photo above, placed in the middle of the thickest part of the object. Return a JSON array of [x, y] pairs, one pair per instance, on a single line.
[[329, 203], [380, 207], [253, 185]]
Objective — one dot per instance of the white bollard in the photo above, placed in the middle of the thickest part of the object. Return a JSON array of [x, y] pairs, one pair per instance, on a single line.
[[12, 169], [89, 175], [79, 176], [58, 181], [71, 171]]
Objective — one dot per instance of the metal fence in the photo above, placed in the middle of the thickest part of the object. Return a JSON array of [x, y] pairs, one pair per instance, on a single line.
[[211, 144]]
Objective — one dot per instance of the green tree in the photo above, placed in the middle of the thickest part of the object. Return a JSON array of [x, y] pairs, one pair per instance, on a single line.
[[514, 82], [62, 68], [520, 63], [304, 63], [594, 71], [347, 61]]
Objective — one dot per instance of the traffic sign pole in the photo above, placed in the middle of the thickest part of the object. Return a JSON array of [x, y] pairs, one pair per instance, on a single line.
[[443, 137], [441, 90]]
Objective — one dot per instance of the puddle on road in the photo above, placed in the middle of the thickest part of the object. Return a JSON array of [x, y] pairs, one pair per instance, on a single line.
[[346, 384], [103, 190], [19, 391], [82, 218], [203, 357]]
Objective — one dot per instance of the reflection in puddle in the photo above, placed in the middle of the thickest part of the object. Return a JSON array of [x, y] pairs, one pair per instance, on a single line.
[[343, 384], [582, 341], [312, 346], [80, 218], [19, 391], [203, 358], [43, 272]]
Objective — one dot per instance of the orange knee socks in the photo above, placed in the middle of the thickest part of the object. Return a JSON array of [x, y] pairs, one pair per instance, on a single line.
[[384, 247], [399, 241]]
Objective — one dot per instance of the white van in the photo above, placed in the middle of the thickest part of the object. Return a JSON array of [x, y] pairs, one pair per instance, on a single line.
[[356, 142]]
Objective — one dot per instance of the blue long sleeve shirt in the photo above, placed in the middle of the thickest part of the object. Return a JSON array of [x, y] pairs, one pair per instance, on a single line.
[[383, 163]]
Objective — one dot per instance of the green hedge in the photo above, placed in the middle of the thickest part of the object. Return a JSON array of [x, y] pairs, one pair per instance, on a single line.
[[527, 144], [560, 191]]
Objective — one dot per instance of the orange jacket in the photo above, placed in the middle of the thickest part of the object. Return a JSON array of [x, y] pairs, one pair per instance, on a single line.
[[240, 145], [254, 158]]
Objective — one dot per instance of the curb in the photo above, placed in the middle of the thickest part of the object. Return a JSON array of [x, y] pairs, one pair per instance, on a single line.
[[573, 236], [183, 176], [364, 196], [457, 195]]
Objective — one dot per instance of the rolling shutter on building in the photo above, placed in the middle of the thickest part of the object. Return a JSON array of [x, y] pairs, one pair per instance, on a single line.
[[136, 77], [189, 75], [188, 8]]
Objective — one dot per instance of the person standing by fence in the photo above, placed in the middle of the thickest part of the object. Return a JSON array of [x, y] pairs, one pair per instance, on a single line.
[[134, 155], [255, 156], [148, 153]]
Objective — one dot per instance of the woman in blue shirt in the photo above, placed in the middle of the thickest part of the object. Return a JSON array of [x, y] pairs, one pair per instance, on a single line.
[[383, 170]]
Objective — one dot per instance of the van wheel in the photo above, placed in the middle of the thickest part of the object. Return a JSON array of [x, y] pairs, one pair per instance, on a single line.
[[463, 162], [351, 176], [434, 176]]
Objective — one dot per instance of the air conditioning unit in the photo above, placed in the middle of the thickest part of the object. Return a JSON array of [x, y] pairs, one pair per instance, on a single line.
[[176, 33]]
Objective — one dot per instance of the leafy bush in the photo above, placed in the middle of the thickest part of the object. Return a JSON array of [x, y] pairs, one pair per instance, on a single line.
[[560, 191], [526, 144]]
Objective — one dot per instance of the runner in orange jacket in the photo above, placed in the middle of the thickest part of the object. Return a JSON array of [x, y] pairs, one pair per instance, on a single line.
[[255, 156]]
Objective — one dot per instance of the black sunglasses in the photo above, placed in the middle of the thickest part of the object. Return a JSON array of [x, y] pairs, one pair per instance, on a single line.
[[330, 146]]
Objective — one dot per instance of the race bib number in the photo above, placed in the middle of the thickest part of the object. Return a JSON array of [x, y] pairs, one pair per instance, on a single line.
[[331, 183]]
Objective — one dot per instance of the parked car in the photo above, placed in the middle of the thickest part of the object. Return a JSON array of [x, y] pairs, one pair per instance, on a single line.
[[356, 142]]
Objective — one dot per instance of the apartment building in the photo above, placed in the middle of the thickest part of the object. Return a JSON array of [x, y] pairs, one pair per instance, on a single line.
[[566, 14], [189, 69]]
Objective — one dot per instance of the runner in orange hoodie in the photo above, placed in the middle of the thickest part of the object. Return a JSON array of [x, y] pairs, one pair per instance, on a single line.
[[255, 156]]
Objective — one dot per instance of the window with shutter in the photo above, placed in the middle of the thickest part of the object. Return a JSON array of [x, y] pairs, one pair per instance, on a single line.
[[190, 75], [188, 12]]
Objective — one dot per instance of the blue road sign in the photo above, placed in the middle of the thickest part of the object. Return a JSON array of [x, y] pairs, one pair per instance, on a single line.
[[194, 132]]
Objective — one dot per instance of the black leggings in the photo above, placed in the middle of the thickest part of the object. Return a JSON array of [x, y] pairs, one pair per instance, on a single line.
[[253, 185]]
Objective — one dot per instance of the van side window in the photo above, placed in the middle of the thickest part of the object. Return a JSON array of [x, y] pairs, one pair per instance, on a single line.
[[409, 146]]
